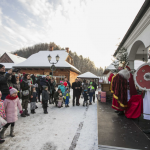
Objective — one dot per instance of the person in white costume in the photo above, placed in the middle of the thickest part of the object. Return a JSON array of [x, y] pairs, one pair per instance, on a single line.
[[146, 108]]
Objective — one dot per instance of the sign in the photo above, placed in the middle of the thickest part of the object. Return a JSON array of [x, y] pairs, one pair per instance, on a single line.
[[142, 77]]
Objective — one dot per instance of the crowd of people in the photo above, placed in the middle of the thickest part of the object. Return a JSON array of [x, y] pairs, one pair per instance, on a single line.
[[28, 89]]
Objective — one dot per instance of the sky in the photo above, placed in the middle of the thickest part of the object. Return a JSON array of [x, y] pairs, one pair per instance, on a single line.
[[91, 28]]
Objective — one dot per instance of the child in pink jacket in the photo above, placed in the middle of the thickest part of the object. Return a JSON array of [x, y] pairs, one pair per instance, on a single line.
[[2, 113], [11, 103]]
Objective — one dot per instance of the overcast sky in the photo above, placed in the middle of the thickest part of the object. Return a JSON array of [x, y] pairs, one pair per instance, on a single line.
[[91, 28]]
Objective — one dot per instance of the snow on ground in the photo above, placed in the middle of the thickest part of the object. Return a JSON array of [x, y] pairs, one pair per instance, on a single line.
[[57, 130]]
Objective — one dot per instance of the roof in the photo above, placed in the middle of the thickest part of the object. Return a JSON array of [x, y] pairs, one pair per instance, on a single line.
[[15, 59], [8, 65], [40, 60], [88, 75], [137, 19]]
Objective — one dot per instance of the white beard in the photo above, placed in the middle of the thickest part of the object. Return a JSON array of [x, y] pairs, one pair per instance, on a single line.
[[125, 74]]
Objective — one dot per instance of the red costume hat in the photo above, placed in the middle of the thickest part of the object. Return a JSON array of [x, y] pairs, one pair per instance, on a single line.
[[128, 68]]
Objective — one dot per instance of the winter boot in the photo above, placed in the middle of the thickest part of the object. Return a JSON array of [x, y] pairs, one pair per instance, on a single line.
[[2, 141], [116, 111], [121, 113], [83, 103], [67, 105], [2, 133], [86, 104], [26, 113], [90, 103], [23, 114], [36, 107], [45, 111], [34, 111], [12, 132]]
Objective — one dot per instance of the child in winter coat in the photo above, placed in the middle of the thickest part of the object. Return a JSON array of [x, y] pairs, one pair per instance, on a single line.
[[45, 98], [60, 100], [11, 103], [99, 96], [85, 95], [2, 108], [2, 113], [66, 97], [91, 92], [34, 97], [62, 87]]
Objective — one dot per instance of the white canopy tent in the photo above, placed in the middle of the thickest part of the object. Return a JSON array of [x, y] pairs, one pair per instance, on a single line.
[[88, 75]]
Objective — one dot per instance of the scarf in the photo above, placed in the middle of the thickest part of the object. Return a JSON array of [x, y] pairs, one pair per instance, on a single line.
[[25, 80], [10, 97]]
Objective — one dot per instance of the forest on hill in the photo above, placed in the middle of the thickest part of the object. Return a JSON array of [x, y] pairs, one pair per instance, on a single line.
[[81, 63]]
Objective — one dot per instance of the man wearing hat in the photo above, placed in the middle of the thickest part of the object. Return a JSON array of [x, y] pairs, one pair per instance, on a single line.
[[95, 87], [4, 77]]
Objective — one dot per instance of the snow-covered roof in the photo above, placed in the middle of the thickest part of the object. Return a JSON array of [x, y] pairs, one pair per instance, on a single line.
[[40, 60], [8, 65], [15, 59], [88, 75]]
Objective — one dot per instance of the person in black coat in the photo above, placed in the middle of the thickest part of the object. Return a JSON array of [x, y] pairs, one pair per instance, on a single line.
[[45, 98], [4, 77], [95, 87], [39, 89], [76, 92], [34, 76], [80, 84], [85, 94], [49, 87]]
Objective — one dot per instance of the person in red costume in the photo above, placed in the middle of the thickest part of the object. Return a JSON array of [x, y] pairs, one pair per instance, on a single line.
[[119, 90], [128, 90]]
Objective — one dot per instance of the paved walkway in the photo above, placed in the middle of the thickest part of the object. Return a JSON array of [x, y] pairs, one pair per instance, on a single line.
[[118, 132]]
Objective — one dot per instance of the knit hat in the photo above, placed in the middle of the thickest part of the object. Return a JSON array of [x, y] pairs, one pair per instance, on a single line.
[[1, 66], [43, 76], [91, 83], [12, 90], [24, 73]]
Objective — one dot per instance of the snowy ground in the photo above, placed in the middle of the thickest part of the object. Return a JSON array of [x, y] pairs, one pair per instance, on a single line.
[[60, 129]]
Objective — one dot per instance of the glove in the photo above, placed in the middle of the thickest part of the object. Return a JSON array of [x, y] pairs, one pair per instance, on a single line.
[[21, 112]]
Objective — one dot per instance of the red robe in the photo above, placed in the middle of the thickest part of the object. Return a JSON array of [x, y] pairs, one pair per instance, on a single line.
[[119, 90], [110, 77], [132, 86], [135, 107]]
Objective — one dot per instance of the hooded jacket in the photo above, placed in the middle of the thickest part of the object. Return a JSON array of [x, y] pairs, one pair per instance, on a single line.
[[4, 88]]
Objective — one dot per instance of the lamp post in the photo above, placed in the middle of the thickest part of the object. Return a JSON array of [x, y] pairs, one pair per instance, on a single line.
[[53, 66]]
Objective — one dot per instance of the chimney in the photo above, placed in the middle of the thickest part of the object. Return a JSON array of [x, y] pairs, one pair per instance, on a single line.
[[51, 48], [67, 49]]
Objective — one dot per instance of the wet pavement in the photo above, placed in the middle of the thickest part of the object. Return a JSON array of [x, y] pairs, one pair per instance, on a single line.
[[118, 131]]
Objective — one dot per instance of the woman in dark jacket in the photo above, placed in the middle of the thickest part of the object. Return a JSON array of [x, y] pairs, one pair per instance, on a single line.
[[25, 94], [17, 86]]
